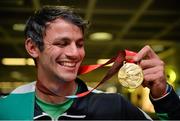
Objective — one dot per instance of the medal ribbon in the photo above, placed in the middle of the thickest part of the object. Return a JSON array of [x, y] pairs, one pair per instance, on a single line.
[[118, 62]]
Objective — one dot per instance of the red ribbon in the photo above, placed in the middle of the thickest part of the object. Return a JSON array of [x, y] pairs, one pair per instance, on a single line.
[[130, 54], [118, 62], [88, 68]]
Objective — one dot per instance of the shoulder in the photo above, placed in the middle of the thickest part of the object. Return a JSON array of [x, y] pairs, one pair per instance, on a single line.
[[30, 87]]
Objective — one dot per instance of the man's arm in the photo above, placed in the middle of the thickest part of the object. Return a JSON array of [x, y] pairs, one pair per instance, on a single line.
[[165, 100], [167, 106]]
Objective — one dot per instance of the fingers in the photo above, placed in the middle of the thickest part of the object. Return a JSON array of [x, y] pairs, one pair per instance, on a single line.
[[145, 52], [150, 78], [154, 76], [152, 70], [151, 63]]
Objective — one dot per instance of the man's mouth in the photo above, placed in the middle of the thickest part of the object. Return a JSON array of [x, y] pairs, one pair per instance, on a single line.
[[67, 64]]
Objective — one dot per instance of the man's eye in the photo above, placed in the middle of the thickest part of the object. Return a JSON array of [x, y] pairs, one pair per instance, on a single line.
[[61, 44], [80, 45]]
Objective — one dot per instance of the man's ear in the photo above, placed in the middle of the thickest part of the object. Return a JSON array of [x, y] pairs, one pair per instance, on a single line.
[[31, 48]]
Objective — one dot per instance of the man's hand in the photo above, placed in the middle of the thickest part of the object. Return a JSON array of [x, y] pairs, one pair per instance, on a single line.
[[153, 70]]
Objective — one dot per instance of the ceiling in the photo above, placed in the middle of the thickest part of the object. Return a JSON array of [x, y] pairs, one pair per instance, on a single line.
[[132, 23]]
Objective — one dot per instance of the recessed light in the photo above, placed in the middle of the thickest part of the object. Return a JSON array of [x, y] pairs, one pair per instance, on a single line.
[[101, 36], [19, 27], [17, 61]]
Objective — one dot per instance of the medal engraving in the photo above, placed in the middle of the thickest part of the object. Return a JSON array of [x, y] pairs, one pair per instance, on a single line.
[[130, 75]]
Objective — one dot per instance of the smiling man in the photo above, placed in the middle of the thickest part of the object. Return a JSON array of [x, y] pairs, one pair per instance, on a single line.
[[55, 40], [60, 59]]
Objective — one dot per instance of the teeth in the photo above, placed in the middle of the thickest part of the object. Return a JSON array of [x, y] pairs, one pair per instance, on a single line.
[[68, 64]]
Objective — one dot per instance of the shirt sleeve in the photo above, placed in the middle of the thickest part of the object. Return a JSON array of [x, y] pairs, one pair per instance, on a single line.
[[168, 106]]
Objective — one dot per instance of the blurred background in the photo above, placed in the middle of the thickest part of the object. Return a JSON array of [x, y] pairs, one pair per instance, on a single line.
[[114, 25]]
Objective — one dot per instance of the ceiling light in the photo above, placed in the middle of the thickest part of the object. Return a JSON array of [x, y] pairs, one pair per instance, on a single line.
[[18, 61], [101, 36], [30, 62], [19, 27], [14, 61], [103, 61]]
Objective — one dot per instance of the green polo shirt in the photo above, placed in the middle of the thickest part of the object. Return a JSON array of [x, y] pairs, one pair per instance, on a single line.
[[54, 110]]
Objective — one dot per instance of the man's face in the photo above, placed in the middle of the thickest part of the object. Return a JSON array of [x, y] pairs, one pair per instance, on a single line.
[[63, 51]]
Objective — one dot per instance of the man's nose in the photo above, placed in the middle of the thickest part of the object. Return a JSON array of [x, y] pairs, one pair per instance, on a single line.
[[72, 51]]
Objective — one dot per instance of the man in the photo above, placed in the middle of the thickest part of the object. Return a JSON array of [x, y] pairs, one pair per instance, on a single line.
[[55, 39]]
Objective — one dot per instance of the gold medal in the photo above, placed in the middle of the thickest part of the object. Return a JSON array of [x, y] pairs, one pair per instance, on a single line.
[[130, 75]]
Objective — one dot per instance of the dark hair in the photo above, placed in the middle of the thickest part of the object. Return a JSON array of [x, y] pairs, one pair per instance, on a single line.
[[36, 24]]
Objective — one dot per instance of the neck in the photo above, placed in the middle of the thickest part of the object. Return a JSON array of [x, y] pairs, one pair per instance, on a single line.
[[53, 91], [51, 88]]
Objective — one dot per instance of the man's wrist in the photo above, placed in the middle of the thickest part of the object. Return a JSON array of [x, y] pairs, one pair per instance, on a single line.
[[167, 91]]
